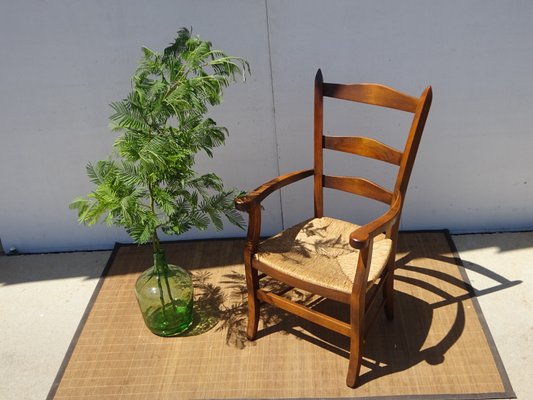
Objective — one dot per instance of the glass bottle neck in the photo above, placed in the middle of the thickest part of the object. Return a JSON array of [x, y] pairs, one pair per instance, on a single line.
[[160, 261]]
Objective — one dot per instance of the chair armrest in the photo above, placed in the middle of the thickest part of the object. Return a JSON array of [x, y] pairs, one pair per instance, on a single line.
[[360, 238], [245, 202]]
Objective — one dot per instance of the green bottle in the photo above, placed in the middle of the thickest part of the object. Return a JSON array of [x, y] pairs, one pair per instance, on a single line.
[[165, 295]]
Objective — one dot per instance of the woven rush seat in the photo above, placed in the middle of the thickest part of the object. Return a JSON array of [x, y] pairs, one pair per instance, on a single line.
[[318, 251]]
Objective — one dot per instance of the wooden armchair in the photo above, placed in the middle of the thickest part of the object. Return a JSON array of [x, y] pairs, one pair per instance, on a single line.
[[326, 256]]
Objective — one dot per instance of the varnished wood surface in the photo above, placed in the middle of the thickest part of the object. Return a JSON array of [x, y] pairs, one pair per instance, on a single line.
[[307, 286], [359, 238], [305, 312], [378, 95], [359, 186], [362, 238], [413, 141], [318, 156], [259, 194], [366, 147]]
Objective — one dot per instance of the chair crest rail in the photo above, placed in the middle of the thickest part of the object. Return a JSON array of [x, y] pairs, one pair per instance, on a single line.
[[370, 93]]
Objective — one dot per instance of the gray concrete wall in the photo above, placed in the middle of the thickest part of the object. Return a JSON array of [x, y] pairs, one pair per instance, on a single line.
[[63, 62]]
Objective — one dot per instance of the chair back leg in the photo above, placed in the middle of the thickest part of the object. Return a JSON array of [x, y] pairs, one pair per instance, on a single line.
[[388, 289]]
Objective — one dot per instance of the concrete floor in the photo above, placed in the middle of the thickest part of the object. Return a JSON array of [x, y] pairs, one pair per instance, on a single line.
[[500, 267], [43, 297]]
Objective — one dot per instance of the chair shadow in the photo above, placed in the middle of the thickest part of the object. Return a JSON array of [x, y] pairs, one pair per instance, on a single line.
[[390, 346]]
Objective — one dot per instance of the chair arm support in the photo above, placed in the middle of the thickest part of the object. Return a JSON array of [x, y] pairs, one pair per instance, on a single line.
[[360, 238], [244, 203]]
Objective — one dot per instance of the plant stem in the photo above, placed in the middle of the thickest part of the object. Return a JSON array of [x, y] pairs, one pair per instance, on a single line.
[[156, 246], [161, 264], [162, 271], [158, 278], [172, 299]]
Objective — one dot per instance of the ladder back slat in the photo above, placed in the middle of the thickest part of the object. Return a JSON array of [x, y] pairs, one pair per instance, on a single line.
[[365, 147], [359, 186], [370, 93]]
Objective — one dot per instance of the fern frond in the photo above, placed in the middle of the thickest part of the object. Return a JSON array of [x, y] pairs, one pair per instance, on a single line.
[[125, 117], [150, 183]]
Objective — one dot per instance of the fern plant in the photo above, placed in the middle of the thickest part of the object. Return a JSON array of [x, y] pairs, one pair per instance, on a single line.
[[148, 185]]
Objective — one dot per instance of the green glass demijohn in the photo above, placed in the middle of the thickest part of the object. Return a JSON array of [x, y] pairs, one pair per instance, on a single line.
[[165, 296]]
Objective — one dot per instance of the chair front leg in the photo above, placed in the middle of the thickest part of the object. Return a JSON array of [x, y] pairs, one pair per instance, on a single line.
[[357, 315], [356, 344], [252, 284], [252, 278]]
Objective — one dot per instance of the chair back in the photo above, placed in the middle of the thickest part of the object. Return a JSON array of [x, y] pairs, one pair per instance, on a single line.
[[377, 95]]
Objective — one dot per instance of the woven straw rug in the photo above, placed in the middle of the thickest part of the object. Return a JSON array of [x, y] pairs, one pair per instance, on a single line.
[[437, 347]]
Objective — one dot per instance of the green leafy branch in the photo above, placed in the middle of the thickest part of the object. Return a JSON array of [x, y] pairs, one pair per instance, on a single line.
[[148, 184]]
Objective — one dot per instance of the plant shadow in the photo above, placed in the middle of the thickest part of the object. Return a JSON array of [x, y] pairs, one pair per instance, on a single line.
[[225, 304]]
